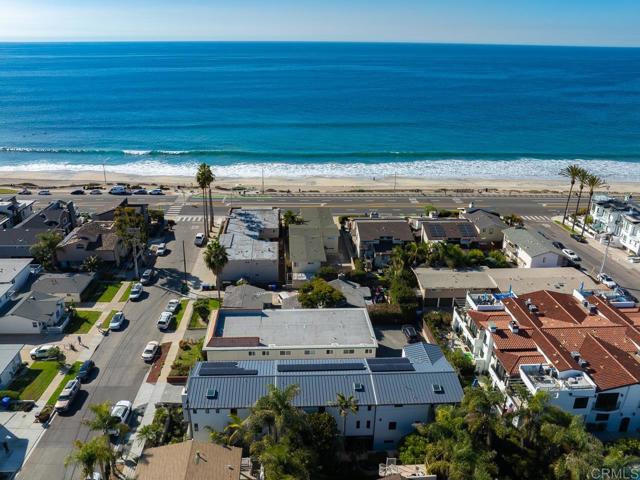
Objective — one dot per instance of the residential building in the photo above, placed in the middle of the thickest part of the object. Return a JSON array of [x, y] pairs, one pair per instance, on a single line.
[[391, 470], [14, 211], [375, 238], [71, 287], [530, 249], [10, 362], [193, 460], [488, 225], [580, 348], [355, 295], [251, 238], [442, 287], [621, 218], [393, 394], [235, 334], [454, 230], [14, 274], [311, 242], [16, 242], [34, 312], [109, 213], [247, 297], [92, 239]]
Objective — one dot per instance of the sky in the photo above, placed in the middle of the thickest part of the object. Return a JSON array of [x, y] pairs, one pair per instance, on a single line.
[[542, 22]]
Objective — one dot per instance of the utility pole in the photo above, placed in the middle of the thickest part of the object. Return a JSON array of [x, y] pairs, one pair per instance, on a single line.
[[104, 172], [606, 252], [184, 262], [135, 237], [395, 181], [263, 180]]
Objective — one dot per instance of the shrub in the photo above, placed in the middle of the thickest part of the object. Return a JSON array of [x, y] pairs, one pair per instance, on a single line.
[[386, 313], [13, 395], [201, 308], [327, 273], [319, 294]]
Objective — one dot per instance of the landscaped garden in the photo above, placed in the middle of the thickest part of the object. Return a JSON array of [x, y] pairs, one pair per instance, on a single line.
[[82, 321], [125, 296], [180, 312], [31, 383], [103, 291], [106, 321], [190, 352], [70, 375], [201, 310]]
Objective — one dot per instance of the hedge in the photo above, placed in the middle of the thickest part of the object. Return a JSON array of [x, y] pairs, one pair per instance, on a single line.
[[387, 313]]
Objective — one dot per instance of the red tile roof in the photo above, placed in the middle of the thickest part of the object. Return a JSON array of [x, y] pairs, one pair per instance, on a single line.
[[511, 361]]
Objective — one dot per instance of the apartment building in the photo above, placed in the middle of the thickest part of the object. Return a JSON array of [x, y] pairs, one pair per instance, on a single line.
[[581, 348], [530, 249], [375, 238], [621, 218]]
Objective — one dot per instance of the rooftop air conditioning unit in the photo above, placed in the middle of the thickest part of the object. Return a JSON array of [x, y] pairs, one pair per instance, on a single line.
[[575, 355], [513, 326], [532, 308], [583, 363], [492, 327]]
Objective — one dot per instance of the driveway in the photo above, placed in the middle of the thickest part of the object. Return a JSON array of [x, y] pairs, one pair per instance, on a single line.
[[391, 340]]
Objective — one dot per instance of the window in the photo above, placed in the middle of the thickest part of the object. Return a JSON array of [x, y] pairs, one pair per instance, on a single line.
[[350, 351], [321, 409], [368, 350], [265, 354], [285, 352], [606, 402], [252, 354], [393, 425], [357, 423], [399, 405], [309, 352], [368, 423], [329, 352], [206, 410], [602, 417], [195, 410], [217, 410], [233, 411], [369, 408], [34, 324], [581, 402], [195, 427]]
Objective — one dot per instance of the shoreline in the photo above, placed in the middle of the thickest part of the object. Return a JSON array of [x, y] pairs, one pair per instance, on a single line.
[[62, 179]]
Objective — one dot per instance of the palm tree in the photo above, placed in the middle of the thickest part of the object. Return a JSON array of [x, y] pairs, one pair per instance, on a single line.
[[282, 461], [275, 411], [593, 182], [212, 179], [572, 172], [149, 435], [215, 258], [83, 455], [92, 264], [345, 406], [102, 420], [44, 251], [291, 218], [583, 176], [235, 429], [202, 179]]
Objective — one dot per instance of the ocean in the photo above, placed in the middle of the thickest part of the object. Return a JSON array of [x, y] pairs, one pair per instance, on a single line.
[[332, 109]]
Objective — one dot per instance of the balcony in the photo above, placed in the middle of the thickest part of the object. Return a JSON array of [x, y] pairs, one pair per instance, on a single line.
[[539, 378]]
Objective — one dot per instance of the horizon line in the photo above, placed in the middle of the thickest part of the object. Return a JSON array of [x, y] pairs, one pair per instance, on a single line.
[[356, 42]]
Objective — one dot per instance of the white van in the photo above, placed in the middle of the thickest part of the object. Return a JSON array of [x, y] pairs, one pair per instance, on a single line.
[[118, 190]]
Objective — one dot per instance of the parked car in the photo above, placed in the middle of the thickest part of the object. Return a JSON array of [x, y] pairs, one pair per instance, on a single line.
[[140, 191], [542, 234], [136, 292], [606, 280], [116, 321], [634, 259], [44, 192], [95, 191], [578, 238], [120, 412], [24, 191], [559, 245], [85, 370], [150, 351], [165, 320], [118, 190], [156, 191], [199, 240], [573, 256], [410, 333], [41, 352], [78, 191], [173, 305], [161, 249], [626, 293], [67, 395], [147, 276]]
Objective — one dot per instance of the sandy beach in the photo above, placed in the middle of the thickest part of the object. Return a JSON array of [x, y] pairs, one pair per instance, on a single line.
[[61, 179]]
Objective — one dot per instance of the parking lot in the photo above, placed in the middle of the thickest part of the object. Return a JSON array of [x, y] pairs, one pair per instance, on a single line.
[[390, 340]]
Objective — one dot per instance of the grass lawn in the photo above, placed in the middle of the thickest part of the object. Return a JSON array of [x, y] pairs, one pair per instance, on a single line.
[[82, 321], [7, 191], [127, 292], [196, 322], [71, 374], [34, 380], [566, 226], [104, 291], [187, 357], [105, 323], [180, 313]]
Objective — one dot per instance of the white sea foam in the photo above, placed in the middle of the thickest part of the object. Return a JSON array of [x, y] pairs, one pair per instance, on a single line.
[[522, 168]]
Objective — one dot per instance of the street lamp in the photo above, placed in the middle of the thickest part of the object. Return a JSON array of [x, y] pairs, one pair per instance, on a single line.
[[610, 233]]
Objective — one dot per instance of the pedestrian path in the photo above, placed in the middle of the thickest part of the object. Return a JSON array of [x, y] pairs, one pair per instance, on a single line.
[[413, 200], [536, 218], [189, 218], [174, 209]]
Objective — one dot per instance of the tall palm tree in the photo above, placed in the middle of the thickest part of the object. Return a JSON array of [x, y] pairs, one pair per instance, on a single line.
[[211, 178], [345, 406], [215, 258], [571, 172], [83, 455], [583, 176], [149, 435], [202, 179], [275, 411], [235, 429], [593, 182], [102, 420]]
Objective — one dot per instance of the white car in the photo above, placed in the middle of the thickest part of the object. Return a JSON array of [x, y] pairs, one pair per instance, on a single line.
[[116, 321], [44, 192], [571, 255], [161, 249], [150, 351], [156, 191], [136, 292], [67, 395], [43, 351], [199, 240], [634, 259], [173, 305], [165, 320], [95, 191], [121, 412], [606, 280]]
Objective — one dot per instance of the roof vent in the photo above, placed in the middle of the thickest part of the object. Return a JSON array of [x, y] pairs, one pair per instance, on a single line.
[[437, 388], [212, 394], [492, 327], [532, 308], [358, 387], [583, 363], [575, 355], [513, 326]]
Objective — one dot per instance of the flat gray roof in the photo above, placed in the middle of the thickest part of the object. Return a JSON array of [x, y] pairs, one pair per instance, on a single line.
[[242, 236], [8, 352], [11, 267], [57, 283], [299, 328], [444, 278], [306, 246], [530, 241], [243, 247], [524, 280]]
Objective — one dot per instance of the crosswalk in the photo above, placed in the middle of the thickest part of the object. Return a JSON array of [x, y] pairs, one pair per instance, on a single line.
[[536, 218], [189, 218]]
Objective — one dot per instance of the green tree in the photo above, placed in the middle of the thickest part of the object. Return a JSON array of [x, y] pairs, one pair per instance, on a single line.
[[92, 264], [44, 250], [149, 435], [583, 177], [593, 182], [497, 259], [571, 172], [84, 456], [156, 215], [201, 308], [345, 405], [130, 226], [215, 258], [512, 220], [102, 420], [474, 257], [291, 218], [204, 178], [283, 460], [327, 272], [317, 293], [322, 435], [275, 412]]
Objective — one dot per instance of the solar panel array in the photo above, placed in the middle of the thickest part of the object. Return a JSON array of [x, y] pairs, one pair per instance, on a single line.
[[398, 364], [319, 367], [224, 368], [436, 230], [467, 230]]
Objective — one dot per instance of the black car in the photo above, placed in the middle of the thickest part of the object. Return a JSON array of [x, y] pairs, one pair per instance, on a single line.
[[85, 370], [77, 192], [559, 245], [578, 238], [410, 333]]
